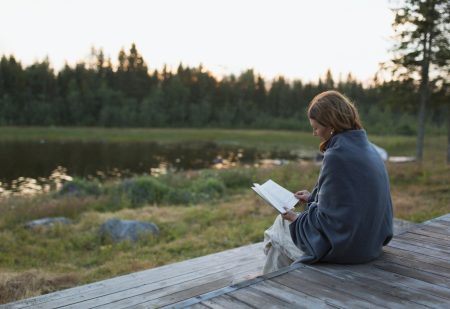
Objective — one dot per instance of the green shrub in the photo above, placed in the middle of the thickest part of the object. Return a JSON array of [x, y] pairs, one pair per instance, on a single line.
[[143, 190], [79, 188], [208, 188], [237, 178], [179, 196]]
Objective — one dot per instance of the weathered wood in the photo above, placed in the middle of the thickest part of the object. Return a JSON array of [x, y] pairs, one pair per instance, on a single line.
[[384, 287], [397, 281], [225, 302], [189, 292], [329, 296], [416, 257], [413, 273], [419, 249], [105, 287], [443, 222], [199, 306], [420, 231], [425, 239], [444, 218], [159, 290], [354, 286], [434, 229], [423, 265], [413, 240], [436, 223], [147, 284], [234, 287], [258, 299], [286, 294]]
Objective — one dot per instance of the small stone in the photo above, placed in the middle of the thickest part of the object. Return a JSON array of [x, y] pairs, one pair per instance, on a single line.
[[119, 230]]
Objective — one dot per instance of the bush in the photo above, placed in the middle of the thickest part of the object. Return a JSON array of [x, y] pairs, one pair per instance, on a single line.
[[236, 178], [79, 188], [179, 196], [143, 190], [208, 188]]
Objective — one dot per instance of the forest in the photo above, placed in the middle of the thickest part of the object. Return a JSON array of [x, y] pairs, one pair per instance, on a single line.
[[100, 92]]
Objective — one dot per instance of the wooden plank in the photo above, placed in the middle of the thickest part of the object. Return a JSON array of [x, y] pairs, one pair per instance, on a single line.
[[374, 293], [229, 289], [329, 296], [225, 302], [200, 306], [399, 281], [444, 217], [430, 234], [291, 296], [413, 273], [422, 265], [117, 292], [189, 292], [150, 275], [415, 240], [437, 224], [433, 228], [181, 290], [258, 299], [443, 222], [418, 250], [425, 239], [416, 257], [383, 289]]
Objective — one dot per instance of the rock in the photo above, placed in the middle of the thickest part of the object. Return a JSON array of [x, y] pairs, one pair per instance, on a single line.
[[47, 222], [119, 230]]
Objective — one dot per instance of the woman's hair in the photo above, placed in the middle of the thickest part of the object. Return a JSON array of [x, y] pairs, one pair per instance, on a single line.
[[333, 109]]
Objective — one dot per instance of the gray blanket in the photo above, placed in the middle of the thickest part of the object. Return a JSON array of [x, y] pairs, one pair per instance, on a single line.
[[349, 215]]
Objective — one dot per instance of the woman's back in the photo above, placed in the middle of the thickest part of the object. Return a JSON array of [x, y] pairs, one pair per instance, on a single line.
[[350, 218]]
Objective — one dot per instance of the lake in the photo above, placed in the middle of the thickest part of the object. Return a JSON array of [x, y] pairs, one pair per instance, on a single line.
[[31, 166]]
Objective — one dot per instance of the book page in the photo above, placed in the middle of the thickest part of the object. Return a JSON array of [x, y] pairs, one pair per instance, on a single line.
[[270, 199], [276, 196], [283, 197]]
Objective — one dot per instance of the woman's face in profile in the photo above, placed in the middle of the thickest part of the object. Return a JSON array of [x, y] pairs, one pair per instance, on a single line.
[[324, 133]]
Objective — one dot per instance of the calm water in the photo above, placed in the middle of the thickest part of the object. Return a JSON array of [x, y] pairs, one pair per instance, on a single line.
[[32, 163]]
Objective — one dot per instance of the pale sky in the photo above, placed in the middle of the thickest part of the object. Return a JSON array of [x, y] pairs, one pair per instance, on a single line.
[[298, 39]]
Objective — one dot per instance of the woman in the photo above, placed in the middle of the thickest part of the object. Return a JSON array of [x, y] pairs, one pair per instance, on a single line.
[[349, 213]]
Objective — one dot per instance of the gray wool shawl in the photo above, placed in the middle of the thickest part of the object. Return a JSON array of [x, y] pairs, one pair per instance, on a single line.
[[349, 215]]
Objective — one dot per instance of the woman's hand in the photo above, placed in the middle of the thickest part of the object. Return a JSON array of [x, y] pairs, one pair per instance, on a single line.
[[289, 215], [303, 196]]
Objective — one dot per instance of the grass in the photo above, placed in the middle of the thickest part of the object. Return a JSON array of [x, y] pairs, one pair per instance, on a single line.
[[288, 139], [223, 213]]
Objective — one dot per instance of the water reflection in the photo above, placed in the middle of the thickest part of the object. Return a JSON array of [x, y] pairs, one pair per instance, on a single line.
[[26, 186], [25, 166]]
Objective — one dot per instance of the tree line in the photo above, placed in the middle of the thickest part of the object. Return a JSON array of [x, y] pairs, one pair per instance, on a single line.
[[97, 93]]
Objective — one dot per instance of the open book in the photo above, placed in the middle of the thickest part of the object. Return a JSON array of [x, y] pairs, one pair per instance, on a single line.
[[276, 196]]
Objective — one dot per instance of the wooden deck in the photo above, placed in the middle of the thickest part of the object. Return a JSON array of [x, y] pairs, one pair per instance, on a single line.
[[414, 272]]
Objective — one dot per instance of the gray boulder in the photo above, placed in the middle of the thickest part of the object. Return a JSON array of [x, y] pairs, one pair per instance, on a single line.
[[47, 222], [118, 230]]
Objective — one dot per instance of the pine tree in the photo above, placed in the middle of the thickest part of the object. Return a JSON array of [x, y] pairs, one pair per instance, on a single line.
[[422, 50]]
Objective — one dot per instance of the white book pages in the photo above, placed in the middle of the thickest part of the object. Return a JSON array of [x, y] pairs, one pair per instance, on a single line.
[[284, 196], [276, 196]]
